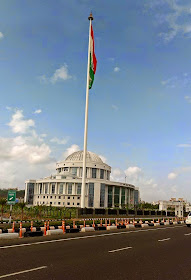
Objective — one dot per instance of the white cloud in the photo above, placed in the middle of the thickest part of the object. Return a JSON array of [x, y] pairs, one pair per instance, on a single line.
[[73, 148], [184, 145], [173, 17], [116, 69], [61, 74], [114, 107], [19, 124], [103, 158], [62, 141], [43, 79], [111, 59], [25, 156], [38, 111], [172, 176], [187, 98], [1, 35]]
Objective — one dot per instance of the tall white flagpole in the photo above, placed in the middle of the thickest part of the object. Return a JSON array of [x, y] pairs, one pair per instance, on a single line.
[[86, 122]]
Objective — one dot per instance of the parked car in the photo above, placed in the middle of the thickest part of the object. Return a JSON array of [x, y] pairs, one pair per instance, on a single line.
[[188, 220]]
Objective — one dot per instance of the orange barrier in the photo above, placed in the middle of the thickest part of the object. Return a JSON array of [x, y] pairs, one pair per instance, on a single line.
[[101, 223], [116, 222], [93, 223], [13, 227], [84, 223], [105, 222], [31, 225], [63, 227], [44, 228], [74, 226], [20, 232]]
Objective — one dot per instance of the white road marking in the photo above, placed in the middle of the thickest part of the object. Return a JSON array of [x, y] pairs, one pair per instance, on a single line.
[[84, 237], [187, 233], [121, 249], [166, 239], [24, 271]]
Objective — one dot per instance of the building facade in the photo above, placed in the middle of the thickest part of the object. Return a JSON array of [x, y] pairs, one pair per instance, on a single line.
[[64, 188]]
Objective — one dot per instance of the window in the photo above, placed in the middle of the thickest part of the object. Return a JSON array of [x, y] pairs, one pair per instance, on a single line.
[[63, 203], [116, 196], [107, 175], [69, 188], [94, 172], [46, 187], [101, 174], [73, 197], [61, 189], [47, 196], [79, 188], [53, 188], [65, 168], [123, 197], [55, 197], [68, 203], [74, 171], [51, 203], [78, 203], [110, 196], [43, 196], [59, 197], [51, 196], [80, 175], [68, 197], [91, 195], [59, 203], [38, 196], [73, 203], [40, 186], [102, 195], [78, 197]]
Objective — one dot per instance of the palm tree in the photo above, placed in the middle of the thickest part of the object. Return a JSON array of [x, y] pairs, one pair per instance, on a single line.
[[3, 202], [22, 206]]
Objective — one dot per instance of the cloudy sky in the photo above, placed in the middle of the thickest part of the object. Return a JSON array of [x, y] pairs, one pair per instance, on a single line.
[[139, 105]]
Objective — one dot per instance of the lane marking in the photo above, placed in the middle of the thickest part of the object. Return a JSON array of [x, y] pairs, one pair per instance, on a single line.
[[187, 233], [165, 239], [126, 248], [84, 237], [24, 271]]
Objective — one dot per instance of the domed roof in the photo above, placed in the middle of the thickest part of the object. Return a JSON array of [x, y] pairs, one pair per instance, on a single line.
[[78, 156]]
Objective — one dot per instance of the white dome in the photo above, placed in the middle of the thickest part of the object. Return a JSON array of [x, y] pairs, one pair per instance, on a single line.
[[78, 156]]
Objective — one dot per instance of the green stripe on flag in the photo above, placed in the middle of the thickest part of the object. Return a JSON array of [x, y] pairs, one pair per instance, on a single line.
[[91, 73]]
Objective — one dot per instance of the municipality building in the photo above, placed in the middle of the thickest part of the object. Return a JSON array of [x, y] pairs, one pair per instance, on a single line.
[[64, 188]]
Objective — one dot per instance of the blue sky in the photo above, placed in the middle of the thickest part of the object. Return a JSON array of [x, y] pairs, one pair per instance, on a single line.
[[139, 105]]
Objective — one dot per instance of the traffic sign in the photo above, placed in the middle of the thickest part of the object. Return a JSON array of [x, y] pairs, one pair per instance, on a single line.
[[11, 197]]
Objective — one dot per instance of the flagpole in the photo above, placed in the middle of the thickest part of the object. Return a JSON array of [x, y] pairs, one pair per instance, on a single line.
[[86, 122]]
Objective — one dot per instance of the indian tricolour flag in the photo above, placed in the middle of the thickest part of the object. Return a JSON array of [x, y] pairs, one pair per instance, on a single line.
[[93, 60]]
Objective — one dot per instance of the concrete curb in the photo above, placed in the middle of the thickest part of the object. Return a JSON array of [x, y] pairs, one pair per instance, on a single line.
[[9, 235], [54, 231], [111, 227], [85, 229]]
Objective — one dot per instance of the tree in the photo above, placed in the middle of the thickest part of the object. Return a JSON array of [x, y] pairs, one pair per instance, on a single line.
[[3, 202], [22, 206]]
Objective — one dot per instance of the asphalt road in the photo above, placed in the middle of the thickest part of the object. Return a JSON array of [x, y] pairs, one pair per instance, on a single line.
[[150, 253]]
